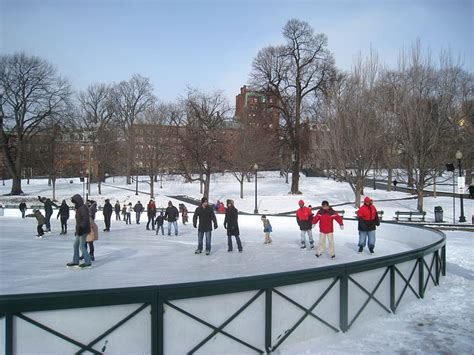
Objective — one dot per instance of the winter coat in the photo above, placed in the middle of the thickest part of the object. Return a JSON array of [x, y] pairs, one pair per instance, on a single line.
[[129, 209], [231, 221], [159, 220], [107, 210], [368, 218], [93, 209], [171, 214], [151, 210], [206, 218], [22, 206], [117, 208], [325, 219], [63, 211], [267, 227], [39, 217], [138, 208], [83, 225], [94, 233], [48, 205], [304, 218]]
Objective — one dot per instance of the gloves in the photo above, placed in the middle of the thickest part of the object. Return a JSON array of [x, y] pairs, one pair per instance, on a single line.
[[342, 227], [215, 226], [194, 226]]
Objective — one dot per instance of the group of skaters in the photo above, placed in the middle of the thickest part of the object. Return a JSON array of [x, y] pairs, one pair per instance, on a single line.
[[204, 219]]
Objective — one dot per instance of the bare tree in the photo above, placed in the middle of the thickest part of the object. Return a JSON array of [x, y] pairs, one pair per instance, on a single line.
[[31, 91], [131, 100], [295, 73]]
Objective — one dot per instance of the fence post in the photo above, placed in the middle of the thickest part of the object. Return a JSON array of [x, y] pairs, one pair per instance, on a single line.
[[438, 261], [443, 258], [9, 334], [344, 302], [392, 288], [421, 277], [159, 324], [268, 320]]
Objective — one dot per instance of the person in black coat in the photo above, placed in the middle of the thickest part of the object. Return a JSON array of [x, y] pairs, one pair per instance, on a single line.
[[48, 211], [83, 228], [138, 208], [172, 216], [159, 221], [92, 208], [117, 209], [206, 217], [22, 209], [64, 214], [107, 211], [232, 225]]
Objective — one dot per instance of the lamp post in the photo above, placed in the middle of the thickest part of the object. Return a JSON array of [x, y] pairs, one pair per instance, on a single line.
[[255, 211], [136, 183], [462, 218], [89, 171]]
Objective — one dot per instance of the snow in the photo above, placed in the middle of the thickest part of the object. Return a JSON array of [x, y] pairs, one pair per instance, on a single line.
[[441, 323]]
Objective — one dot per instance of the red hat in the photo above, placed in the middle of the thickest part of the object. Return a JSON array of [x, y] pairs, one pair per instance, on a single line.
[[301, 202], [367, 199]]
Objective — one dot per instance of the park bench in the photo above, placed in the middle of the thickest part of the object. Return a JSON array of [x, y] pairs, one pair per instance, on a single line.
[[410, 215]]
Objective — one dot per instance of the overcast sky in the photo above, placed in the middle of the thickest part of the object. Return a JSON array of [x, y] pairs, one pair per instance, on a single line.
[[210, 44]]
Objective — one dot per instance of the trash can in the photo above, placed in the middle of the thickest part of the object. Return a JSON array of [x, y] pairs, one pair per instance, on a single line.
[[1, 210], [438, 211]]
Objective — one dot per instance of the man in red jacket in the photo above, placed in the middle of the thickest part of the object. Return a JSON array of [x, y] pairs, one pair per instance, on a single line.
[[304, 215], [368, 221], [325, 216]]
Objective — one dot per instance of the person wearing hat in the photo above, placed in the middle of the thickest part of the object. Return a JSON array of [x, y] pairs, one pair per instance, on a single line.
[[107, 212], [83, 228], [232, 225], [206, 217], [172, 216], [64, 214], [368, 222], [304, 217], [326, 216], [151, 214]]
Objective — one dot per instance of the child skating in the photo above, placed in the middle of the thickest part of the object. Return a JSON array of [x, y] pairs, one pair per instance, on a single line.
[[267, 229], [325, 216]]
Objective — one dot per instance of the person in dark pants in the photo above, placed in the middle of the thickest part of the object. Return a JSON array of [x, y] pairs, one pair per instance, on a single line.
[[368, 222], [151, 213], [206, 217], [159, 221], [117, 211], [394, 183], [172, 216], [40, 219], [22, 209], [83, 228], [471, 191], [138, 208], [64, 215], [107, 211], [48, 210], [232, 225]]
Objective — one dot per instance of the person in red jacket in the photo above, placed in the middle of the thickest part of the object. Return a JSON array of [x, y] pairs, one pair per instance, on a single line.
[[304, 215], [368, 221], [325, 216]]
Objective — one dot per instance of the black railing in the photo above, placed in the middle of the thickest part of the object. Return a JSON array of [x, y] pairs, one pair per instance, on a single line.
[[159, 297]]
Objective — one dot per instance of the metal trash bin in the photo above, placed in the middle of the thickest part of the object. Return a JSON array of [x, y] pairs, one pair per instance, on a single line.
[[438, 212]]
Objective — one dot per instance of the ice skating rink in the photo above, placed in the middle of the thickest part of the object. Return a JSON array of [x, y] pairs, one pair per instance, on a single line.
[[130, 255]]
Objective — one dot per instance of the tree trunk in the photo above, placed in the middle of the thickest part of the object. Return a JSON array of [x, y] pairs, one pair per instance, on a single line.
[[207, 182], [359, 191], [434, 186], [242, 187], [152, 186], [389, 180], [53, 181], [15, 172], [295, 173], [419, 204]]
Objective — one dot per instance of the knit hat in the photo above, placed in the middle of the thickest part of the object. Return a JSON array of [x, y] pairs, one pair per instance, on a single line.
[[367, 199], [301, 202]]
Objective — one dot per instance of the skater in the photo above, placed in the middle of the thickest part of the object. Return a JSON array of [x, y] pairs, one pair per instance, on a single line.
[[92, 208], [159, 223], [267, 229], [117, 211], [232, 225], [107, 212], [124, 213], [207, 217], [325, 216], [471, 191], [83, 228], [22, 209], [184, 213], [138, 208], [304, 219], [394, 183], [92, 237], [172, 216], [64, 214], [151, 213], [48, 210], [368, 221], [40, 219], [128, 213]]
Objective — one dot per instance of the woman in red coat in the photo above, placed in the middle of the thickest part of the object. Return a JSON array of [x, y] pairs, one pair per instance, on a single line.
[[325, 216]]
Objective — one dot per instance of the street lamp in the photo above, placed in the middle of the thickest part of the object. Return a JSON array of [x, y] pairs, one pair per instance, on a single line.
[[462, 218], [256, 170]]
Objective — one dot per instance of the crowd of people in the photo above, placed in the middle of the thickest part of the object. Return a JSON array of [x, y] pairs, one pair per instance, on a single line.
[[204, 220]]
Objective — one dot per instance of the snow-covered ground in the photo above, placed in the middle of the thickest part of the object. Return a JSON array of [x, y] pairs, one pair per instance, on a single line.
[[441, 323]]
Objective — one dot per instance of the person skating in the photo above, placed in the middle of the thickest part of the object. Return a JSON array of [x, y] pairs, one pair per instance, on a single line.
[[48, 211], [138, 208], [232, 225], [41, 221], [22, 208], [117, 211], [325, 216], [91, 238], [368, 221], [267, 229], [206, 217], [124, 213], [128, 213], [172, 216], [107, 212], [304, 219], [92, 208], [159, 221], [64, 215], [83, 228], [151, 213], [184, 214]]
